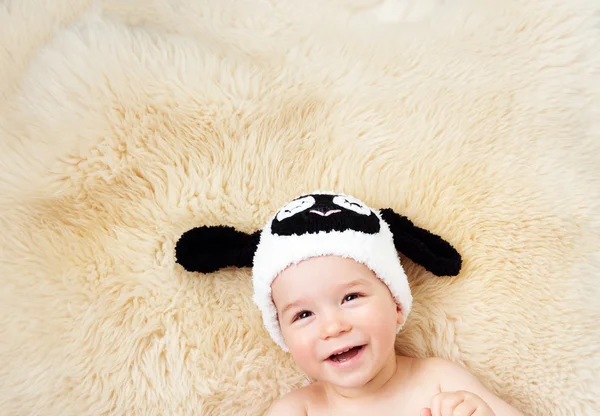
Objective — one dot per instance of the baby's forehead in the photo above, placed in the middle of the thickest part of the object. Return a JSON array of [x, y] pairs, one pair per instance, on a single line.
[[323, 273], [328, 265]]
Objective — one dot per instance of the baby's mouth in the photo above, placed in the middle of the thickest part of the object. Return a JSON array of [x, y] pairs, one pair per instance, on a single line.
[[346, 355]]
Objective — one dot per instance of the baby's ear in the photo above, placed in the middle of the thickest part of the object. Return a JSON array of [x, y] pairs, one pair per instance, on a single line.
[[400, 315], [207, 249], [421, 246]]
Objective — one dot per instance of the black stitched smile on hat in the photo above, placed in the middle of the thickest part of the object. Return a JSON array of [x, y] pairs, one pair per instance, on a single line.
[[319, 224]]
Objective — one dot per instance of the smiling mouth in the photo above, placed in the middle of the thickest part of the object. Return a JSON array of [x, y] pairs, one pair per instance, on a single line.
[[346, 355]]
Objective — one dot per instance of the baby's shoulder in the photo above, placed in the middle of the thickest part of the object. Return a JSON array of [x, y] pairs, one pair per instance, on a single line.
[[294, 403], [435, 364], [436, 370]]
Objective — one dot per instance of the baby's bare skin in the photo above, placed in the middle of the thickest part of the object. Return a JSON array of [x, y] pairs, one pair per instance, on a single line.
[[412, 391]]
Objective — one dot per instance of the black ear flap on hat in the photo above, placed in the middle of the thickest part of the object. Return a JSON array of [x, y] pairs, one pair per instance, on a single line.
[[421, 246], [207, 249]]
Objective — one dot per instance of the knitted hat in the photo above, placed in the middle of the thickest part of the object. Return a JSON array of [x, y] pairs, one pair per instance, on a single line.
[[319, 224]]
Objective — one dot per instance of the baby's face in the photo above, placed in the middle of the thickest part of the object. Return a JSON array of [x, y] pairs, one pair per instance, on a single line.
[[330, 304]]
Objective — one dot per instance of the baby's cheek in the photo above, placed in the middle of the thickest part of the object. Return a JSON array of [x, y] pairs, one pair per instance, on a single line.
[[298, 340], [303, 352], [379, 318]]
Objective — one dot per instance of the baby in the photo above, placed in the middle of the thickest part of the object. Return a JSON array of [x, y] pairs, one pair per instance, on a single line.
[[339, 322], [328, 280]]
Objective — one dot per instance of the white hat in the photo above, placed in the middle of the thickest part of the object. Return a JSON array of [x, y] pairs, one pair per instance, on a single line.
[[319, 224]]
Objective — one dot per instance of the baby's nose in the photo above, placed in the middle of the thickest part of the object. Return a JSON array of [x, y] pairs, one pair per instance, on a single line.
[[335, 326]]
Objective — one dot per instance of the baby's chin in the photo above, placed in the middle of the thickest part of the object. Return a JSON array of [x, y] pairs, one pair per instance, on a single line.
[[354, 381], [327, 376]]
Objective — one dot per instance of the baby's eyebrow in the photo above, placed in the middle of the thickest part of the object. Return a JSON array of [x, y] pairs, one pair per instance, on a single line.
[[354, 283], [291, 305]]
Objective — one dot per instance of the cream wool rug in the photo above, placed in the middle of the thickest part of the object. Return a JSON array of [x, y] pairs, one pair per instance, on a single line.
[[124, 124]]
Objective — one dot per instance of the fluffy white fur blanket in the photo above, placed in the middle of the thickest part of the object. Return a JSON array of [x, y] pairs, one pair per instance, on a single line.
[[125, 123]]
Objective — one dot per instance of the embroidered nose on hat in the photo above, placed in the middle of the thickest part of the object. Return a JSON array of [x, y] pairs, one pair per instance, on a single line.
[[324, 207], [318, 224], [325, 214]]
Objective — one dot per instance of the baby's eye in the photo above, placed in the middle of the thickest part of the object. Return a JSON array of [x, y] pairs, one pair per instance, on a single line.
[[351, 296], [302, 315]]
